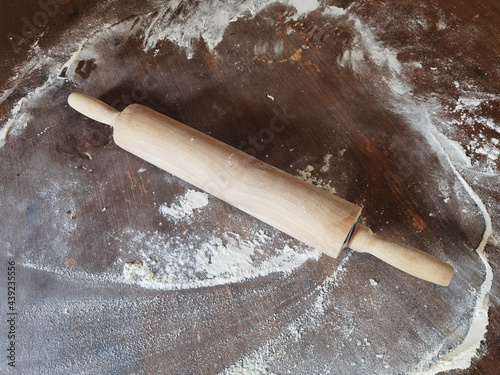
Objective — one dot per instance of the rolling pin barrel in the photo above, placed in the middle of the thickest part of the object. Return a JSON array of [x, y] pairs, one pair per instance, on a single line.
[[308, 213]]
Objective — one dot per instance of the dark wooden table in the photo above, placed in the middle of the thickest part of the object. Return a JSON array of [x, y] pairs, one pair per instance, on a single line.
[[391, 105]]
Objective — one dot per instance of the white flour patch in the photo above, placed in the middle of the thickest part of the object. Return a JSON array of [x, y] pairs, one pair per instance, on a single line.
[[66, 272], [20, 72], [191, 201], [495, 239], [366, 48], [303, 7], [334, 11], [185, 263], [278, 48], [154, 260], [484, 149], [490, 150]]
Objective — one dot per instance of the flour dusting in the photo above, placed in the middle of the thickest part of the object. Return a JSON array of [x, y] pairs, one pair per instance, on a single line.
[[483, 150], [20, 114], [326, 162], [179, 263], [187, 204], [303, 7], [205, 20], [155, 260], [367, 53], [208, 20], [16, 123], [334, 11], [261, 359], [461, 356], [428, 117], [307, 175]]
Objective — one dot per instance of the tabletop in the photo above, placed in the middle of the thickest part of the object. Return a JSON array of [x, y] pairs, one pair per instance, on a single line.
[[113, 266]]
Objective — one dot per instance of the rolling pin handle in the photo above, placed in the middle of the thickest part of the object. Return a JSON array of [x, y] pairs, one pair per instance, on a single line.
[[93, 108], [404, 257]]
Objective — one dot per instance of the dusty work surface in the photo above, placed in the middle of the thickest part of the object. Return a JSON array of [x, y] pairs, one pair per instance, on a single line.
[[121, 268]]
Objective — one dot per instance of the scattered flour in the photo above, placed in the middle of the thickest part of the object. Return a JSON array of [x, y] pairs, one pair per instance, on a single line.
[[495, 239], [326, 166], [260, 360], [278, 48], [167, 263], [191, 201], [334, 11], [20, 72], [467, 111], [178, 263], [18, 120], [209, 20], [461, 356], [202, 21], [306, 175], [425, 117], [188, 262], [303, 7], [368, 52], [20, 114]]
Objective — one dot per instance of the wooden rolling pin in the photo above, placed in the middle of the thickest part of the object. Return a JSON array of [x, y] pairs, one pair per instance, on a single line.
[[303, 211]]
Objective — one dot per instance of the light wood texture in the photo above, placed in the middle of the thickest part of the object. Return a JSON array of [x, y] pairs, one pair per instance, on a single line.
[[95, 109], [303, 211], [403, 257]]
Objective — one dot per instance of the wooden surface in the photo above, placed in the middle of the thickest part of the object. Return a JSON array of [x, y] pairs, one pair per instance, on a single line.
[[390, 90]]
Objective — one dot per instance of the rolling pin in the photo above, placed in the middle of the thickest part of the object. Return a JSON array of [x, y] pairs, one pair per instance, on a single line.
[[306, 212]]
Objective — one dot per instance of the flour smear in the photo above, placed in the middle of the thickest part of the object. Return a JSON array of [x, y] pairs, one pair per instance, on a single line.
[[187, 204], [260, 361], [209, 21], [428, 118], [193, 262]]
